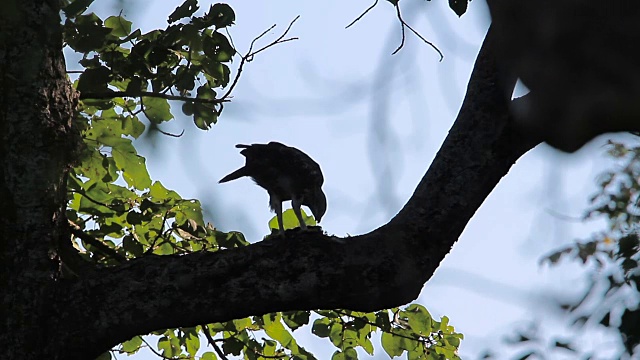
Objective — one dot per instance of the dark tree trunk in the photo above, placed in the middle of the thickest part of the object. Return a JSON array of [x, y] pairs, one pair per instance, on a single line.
[[36, 108], [45, 316]]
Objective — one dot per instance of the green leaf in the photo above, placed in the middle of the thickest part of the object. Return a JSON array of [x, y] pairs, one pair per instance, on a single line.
[[104, 356], [217, 48], [133, 166], [419, 319], [169, 345], [133, 345], [276, 330], [290, 221], [321, 327], [131, 125], [222, 14], [94, 80], [189, 210], [208, 356], [295, 319], [232, 346], [192, 341], [157, 109], [185, 10], [335, 334], [74, 9], [393, 345], [119, 26], [132, 246]]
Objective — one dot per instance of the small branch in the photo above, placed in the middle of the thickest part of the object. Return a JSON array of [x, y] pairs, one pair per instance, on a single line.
[[114, 94], [160, 233], [279, 40], [362, 15], [76, 230], [154, 350], [170, 134], [91, 199], [402, 28], [212, 342], [251, 53]]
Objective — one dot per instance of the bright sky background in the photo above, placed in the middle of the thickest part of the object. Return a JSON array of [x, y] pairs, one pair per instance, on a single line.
[[374, 122]]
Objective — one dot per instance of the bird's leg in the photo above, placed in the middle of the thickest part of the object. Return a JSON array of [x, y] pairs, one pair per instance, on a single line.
[[295, 204], [276, 205]]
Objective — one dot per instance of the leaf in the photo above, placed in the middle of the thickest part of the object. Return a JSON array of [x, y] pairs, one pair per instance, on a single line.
[[335, 334], [217, 47], [185, 10], [419, 319], [392, 345], [192, 341], [321, 327], [119, 26], [104, 356], [169, 345], [94, 80], [74, 9], [133, 166], [276, 331], [459, 6], [131, 125], [290, 221], [222, 14], [157, 109], [295, 319], [133, 345], [208, 356], [232, 346]]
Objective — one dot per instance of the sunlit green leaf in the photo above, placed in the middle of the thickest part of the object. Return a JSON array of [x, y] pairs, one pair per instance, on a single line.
[[119, 26], [157, 109], [133, 345]]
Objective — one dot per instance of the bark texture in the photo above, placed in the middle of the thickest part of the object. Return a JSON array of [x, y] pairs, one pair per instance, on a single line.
[[36, 107], [79, 318]]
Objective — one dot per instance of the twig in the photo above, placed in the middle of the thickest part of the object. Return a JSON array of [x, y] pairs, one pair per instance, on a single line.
[[114, 94], [362, 15], [170, 134], [403, 23], [402, 28], [154, 350], [251, 53], [212, 342], [76, 230], [153, 243], [91, 199]]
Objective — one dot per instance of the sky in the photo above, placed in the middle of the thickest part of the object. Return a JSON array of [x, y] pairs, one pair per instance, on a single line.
[[374, 121]]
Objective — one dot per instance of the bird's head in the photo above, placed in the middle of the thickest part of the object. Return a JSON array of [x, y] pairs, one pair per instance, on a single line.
[[317, 202]]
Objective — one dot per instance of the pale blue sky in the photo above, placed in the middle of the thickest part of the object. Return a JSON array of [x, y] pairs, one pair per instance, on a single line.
[[374, 122]]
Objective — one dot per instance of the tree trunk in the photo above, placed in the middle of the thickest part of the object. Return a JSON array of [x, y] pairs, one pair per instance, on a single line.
[[36, 109]]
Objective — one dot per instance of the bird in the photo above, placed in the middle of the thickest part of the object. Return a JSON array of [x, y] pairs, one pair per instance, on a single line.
[[287, 174]]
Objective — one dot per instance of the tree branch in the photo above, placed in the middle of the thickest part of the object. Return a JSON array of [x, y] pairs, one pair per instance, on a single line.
[[114, 94], [384, 268], [99, 245]]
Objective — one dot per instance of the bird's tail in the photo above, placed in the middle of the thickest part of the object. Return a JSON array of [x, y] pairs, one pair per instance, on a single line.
[[234, 175]]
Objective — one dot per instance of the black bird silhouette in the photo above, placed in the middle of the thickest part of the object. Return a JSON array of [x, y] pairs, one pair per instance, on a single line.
[[287, 174]]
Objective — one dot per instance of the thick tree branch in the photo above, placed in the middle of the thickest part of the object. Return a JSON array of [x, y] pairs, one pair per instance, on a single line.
[[384, 268]]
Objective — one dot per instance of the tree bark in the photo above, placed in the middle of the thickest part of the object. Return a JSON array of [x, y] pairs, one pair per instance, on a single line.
[[79, 318], [36, 109]]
